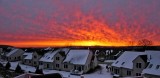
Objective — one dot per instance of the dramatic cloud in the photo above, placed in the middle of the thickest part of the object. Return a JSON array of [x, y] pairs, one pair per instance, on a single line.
[[78, 22]]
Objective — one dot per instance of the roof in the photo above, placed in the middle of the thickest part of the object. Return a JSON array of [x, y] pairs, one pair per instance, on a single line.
[[77, 56], [64, 51], [126, 59], [49, 56], [153, 68], [28, 55], [12, 52]]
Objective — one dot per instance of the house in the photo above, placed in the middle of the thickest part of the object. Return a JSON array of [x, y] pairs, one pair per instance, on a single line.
[[59, 58], [32, 58], [47, 60], [129, 64], [14, 55], [78, 61], [27, 58], [54, 59], [153, 68]]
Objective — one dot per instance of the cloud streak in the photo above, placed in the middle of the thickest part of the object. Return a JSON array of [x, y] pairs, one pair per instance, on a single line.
[[78, 22]]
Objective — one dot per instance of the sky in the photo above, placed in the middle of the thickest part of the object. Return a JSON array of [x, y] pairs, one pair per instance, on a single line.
[[33, 23]]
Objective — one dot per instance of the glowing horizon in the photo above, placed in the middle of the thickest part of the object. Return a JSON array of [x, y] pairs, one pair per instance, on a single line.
[[38, 23]]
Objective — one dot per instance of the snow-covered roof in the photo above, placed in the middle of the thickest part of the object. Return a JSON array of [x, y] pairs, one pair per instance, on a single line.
[[126, 59], [49, 56], [154, 63], [12, 52], [28, 55], [77, 56]]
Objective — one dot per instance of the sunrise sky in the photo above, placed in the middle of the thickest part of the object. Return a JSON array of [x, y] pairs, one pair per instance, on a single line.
[[37, 23]]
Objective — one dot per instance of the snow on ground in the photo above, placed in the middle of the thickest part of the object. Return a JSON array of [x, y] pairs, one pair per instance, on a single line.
[[96, 74], [27, 68], [65, 74]]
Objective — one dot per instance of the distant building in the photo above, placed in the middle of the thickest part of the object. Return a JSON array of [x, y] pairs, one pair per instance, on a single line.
[[129, 64], [153, 68], [14, 55]]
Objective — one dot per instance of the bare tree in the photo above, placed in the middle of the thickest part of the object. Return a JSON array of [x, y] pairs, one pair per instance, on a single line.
[[145, 42]]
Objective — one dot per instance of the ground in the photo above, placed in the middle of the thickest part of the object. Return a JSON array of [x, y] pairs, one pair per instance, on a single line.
[[101, 74]]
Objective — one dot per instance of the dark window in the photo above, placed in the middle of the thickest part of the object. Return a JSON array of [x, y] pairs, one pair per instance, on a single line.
[[15, 58], [116, 62], [150, 66], [57, 65], [128, 73], [47, 65], [65, 66], [157, 67], [123, 63], [138, 65], [35, 56], [138, 74], [116, 71], [34, 62], [57, 58], [29, 61]]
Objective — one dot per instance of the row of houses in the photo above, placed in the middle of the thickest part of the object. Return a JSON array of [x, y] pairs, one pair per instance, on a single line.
[[132, 63], [72, 60]]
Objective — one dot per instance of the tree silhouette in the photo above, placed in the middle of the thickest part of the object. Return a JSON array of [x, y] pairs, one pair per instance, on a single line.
[[18, 69], [38, 71], [145, 42], [8, 65]]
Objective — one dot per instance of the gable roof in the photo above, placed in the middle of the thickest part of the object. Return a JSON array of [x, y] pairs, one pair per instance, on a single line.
[[28, 55], [77, 56], [12, 52], [153, 59], [49, 56], [126, 59]]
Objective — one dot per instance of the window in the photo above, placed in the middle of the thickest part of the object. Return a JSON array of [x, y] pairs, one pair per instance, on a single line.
[[34, 62], [57, 58], [150, 66], [138, 65], [116, 71], [29, 61], [123, 63], [116, 62], [35, 56], [47, 65], [57, 65], [15, 58], [128, 73], [157, 67], [65, 66], [138, 74]]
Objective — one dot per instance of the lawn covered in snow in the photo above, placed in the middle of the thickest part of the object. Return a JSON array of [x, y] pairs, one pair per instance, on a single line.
[[103, 74]]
